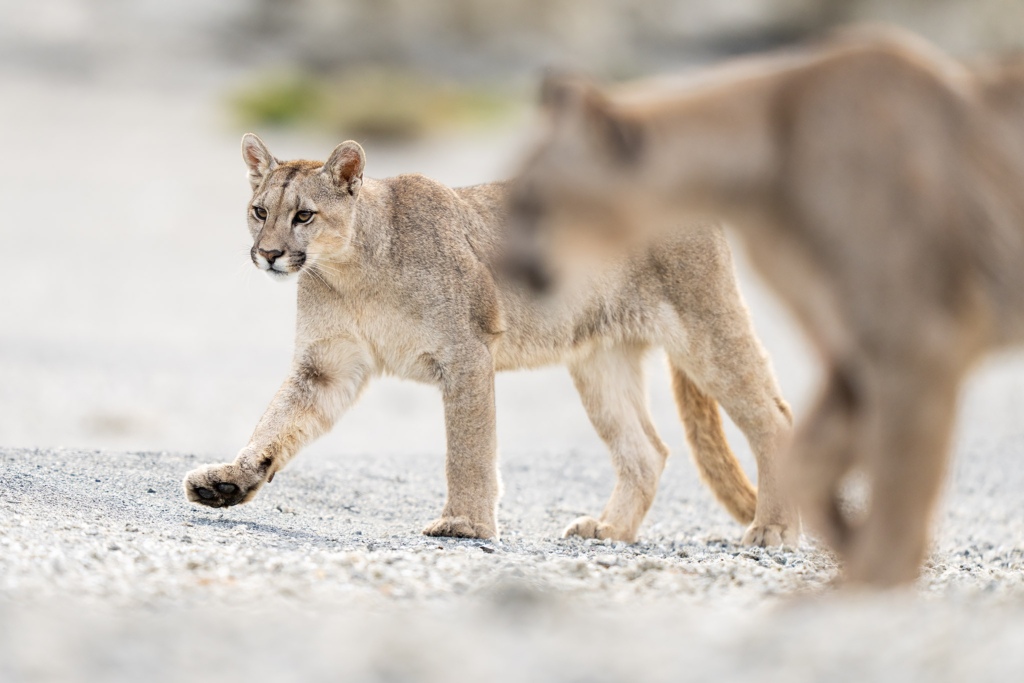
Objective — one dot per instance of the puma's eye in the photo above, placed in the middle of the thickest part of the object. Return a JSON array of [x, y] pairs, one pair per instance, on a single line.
[[259, 212], [303, 216]]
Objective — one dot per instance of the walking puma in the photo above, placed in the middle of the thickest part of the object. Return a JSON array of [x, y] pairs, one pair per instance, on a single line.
[[394, 277]]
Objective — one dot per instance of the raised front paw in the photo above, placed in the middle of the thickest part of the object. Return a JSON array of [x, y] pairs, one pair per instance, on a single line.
[[588, 527], [766, 535], [221, 486], [460, 527]]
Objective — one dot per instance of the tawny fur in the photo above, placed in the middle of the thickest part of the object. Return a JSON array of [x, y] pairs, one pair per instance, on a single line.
[[879, 187], [717, 466], [395, 277]]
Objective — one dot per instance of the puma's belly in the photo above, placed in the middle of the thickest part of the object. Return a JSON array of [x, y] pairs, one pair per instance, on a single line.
[[546, 338]]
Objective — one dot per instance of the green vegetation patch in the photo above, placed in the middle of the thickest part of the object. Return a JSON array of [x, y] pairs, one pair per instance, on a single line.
[[371, 102]]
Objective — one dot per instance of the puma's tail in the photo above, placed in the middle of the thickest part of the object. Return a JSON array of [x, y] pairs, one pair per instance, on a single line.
[[715, 460]]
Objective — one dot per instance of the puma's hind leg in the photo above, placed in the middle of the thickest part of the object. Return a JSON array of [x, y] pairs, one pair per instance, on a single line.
[[611, 385], [725, 362]]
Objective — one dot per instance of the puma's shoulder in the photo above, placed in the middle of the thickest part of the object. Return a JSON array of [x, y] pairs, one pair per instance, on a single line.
[[421, 204]]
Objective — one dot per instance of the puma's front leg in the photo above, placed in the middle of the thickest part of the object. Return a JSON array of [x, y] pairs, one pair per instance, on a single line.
[[471, 466], [325, 380]]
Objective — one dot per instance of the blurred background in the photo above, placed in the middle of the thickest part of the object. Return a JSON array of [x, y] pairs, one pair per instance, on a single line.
[[130, 315]]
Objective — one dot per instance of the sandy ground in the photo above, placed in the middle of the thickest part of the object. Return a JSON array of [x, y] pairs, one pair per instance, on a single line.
[[135, 333]]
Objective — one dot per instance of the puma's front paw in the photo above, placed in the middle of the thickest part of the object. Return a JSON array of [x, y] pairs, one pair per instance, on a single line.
[[460, 527], [588, 527], [766, 535], [220, 486]]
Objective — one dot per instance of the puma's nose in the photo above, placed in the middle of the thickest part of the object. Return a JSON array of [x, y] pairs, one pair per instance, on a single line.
[[270, 255]]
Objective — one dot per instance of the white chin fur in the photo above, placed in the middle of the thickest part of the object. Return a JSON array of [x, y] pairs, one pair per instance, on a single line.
[[278, 275]]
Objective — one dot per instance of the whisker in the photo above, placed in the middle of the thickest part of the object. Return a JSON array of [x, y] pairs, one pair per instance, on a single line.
[[312, 271], [327, 270], [315, 261], [242, 267], [323, 258], [321, 270]]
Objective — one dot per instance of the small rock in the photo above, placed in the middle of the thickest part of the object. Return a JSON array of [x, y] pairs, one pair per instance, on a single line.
[[150, 490], [486, 548]]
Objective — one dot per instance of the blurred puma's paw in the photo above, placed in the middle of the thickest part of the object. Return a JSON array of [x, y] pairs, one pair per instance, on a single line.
[[221, 486]]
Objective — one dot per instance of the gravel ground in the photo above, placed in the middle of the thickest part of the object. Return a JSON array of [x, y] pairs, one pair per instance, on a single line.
[[106, 573], [138, 335]]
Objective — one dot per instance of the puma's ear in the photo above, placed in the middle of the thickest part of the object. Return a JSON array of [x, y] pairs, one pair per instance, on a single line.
[[562, 91], [577, 101], [258, 159], [345, 166]]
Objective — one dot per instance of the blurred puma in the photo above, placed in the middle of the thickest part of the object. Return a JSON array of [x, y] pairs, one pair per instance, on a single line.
[[879, 187], [394, 277]]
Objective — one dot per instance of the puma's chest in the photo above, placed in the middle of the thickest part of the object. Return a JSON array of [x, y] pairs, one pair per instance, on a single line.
[[399, 342]]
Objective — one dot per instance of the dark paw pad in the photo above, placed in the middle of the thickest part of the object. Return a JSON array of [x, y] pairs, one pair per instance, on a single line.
[[207, 486]]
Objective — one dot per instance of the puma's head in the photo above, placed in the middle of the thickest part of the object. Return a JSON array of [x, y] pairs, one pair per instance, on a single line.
[[300, 210], [579, 180], [587, 148]]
